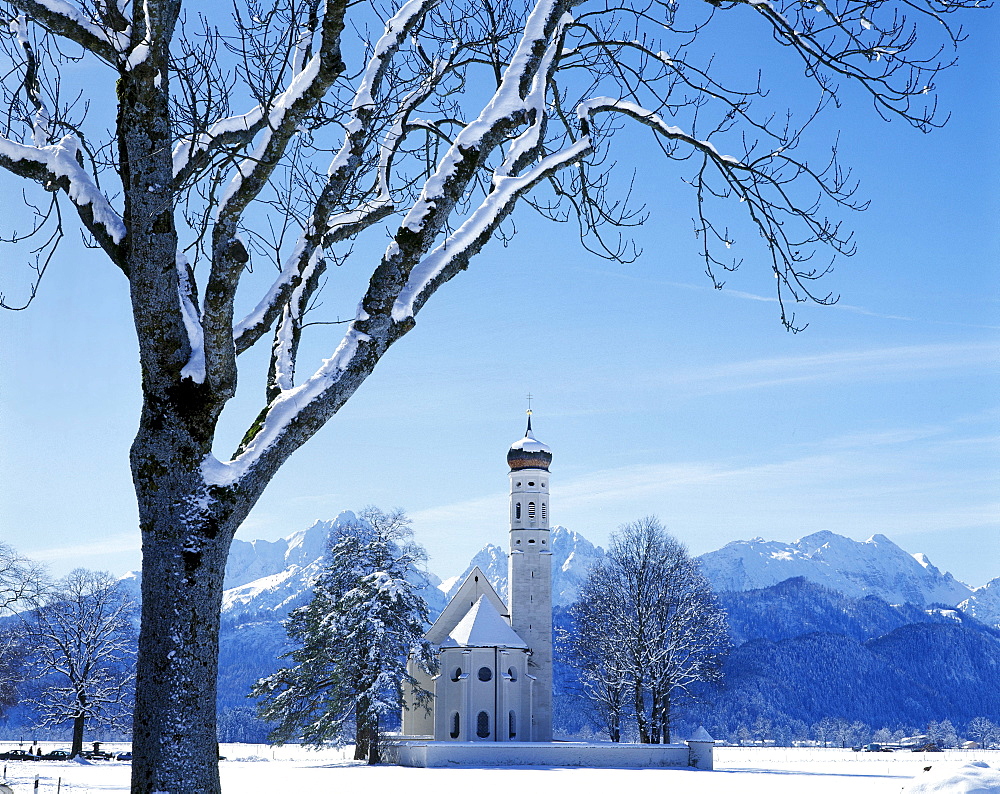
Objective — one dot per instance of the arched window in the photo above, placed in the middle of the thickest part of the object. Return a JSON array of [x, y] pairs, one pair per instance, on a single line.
[[512, 674], [485, 674], [456, 725], [517, 511], [483, 725], [531, 511], [512, 725], [457, 674]]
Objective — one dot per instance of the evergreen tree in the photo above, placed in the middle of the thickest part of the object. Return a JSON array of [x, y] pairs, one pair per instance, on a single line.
[[353, 639]]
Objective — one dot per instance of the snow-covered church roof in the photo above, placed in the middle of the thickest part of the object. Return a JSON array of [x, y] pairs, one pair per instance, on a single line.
[[483, 627]]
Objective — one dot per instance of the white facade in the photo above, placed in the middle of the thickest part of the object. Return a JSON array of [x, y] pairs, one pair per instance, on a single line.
[[529, 572], [495, 678]]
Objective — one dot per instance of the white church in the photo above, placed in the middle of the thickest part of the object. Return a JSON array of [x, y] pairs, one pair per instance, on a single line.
[[495, 679], [492, 696]]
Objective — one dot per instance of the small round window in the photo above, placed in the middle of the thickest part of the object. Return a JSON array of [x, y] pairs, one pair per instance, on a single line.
[[485, 674]]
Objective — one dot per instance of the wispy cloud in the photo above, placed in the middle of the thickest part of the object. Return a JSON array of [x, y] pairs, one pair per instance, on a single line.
[[839, 366], [905, 482], [113, 544], [839, 306]]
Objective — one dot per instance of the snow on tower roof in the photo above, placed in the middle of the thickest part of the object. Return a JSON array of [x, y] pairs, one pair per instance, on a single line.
[[530, 444], [483, 627], [529, 452]]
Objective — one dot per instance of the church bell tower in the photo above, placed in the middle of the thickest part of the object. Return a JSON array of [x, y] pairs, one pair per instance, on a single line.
[[530, 569]]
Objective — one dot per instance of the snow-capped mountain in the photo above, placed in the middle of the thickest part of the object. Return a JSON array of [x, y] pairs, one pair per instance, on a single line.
[[984, 603], [276, 576], [876, 566], [257, 559], [273, 576], [572, 556]]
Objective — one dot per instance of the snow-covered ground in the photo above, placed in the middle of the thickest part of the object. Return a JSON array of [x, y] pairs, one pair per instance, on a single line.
[[256, 769]]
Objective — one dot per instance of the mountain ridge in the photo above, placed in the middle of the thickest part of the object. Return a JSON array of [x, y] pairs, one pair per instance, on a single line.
[[876, 566]]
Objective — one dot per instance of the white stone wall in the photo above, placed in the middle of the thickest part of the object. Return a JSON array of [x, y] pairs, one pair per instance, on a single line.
[[417, 721], [483, 686], [529, 499], [530, 588]]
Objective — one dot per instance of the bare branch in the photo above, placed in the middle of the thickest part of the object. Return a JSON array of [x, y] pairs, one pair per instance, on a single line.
[[68, 21]]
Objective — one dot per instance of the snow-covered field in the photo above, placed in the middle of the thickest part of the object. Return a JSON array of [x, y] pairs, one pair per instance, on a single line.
[[256, 769]]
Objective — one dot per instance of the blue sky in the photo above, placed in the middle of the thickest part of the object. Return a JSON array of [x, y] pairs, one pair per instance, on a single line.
[[657, 393]]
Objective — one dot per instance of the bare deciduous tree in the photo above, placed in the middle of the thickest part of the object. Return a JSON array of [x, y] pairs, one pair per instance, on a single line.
[[285, 133], [22, 582], [83, 648], [647, 630], [13, 654], [22, 585]]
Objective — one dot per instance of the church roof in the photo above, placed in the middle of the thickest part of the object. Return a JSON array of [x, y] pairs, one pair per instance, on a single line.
[[482, 627], [529, 452], [476, 585]]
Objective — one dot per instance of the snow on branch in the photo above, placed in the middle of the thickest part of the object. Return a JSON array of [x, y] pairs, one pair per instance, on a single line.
[[590, 107], [325, 228], [258, 160], [69, 21], [506, 108], [187, 292], [286, 336], [474, 233], [282, 412], [188, 151], [59, 167], [295, 271]]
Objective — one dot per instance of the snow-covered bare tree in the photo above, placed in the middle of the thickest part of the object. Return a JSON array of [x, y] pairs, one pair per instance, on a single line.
[[194, 146], [22, 585], [83, 645], [13, 659], [354, 637], [984, 732], [590, 647], [649, 628], [22, 582]]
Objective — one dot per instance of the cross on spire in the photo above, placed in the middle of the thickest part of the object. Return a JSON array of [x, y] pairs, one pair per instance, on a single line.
[[528, 432]]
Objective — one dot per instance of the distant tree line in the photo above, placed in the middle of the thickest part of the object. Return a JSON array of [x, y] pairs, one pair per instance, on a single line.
[[839, 732]]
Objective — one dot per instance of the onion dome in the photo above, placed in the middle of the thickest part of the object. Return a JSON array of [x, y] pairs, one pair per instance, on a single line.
[[529, 453]]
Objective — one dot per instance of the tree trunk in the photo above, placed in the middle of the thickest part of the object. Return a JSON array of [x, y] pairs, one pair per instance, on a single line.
[[665, 717], [614, 729], [78, 724], [640, 713], [186, 539], [360, 734], [374, 743]]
